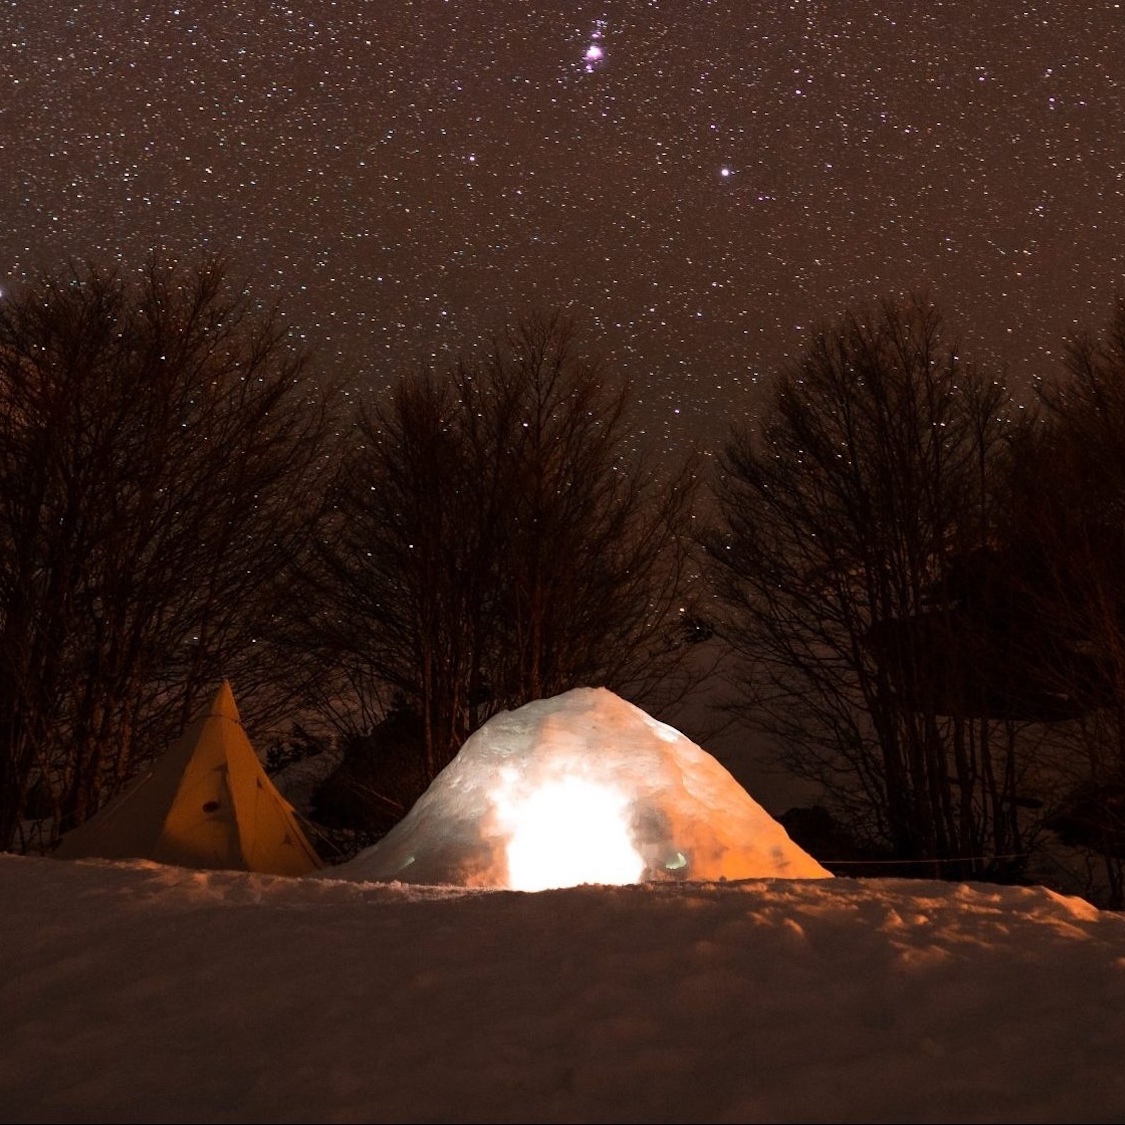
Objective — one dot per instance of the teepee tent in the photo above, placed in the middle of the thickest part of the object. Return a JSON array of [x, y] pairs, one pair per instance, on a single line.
[[206, 803]]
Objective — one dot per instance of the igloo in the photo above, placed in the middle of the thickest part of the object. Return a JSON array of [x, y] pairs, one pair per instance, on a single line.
[[581, 788]]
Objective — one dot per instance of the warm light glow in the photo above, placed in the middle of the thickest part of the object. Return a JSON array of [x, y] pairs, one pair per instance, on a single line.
[[565, 832]]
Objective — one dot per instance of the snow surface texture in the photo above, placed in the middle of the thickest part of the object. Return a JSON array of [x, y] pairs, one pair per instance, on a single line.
[[582, 788], [132, 992]]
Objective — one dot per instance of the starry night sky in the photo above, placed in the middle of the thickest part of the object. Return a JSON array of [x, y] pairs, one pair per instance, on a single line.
[[697, 182]]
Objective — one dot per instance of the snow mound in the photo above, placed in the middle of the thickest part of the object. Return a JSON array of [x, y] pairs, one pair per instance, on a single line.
[[581, 788]]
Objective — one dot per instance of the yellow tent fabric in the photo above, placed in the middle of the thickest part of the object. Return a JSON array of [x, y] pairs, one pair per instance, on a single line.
[[206, 803]]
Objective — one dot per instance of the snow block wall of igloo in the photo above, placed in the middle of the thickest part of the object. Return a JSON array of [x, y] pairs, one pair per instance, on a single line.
[[582, 788]]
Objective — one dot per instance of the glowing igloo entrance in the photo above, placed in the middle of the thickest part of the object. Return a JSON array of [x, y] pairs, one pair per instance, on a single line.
[[582, 788], [543, 850]]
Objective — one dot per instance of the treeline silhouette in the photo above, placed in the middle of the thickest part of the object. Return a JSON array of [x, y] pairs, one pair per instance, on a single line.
[[183, 499], [918, 579], [923, 582]]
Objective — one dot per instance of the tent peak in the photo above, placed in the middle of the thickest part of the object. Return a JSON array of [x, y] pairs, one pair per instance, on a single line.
[[222, 703]]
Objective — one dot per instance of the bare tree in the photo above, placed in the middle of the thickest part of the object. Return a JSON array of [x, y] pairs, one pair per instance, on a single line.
[[835, 557], [162, 458], [501, 536], [1067, 510]]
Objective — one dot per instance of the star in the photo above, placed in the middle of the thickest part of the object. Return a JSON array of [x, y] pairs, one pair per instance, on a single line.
[[403, 178]]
